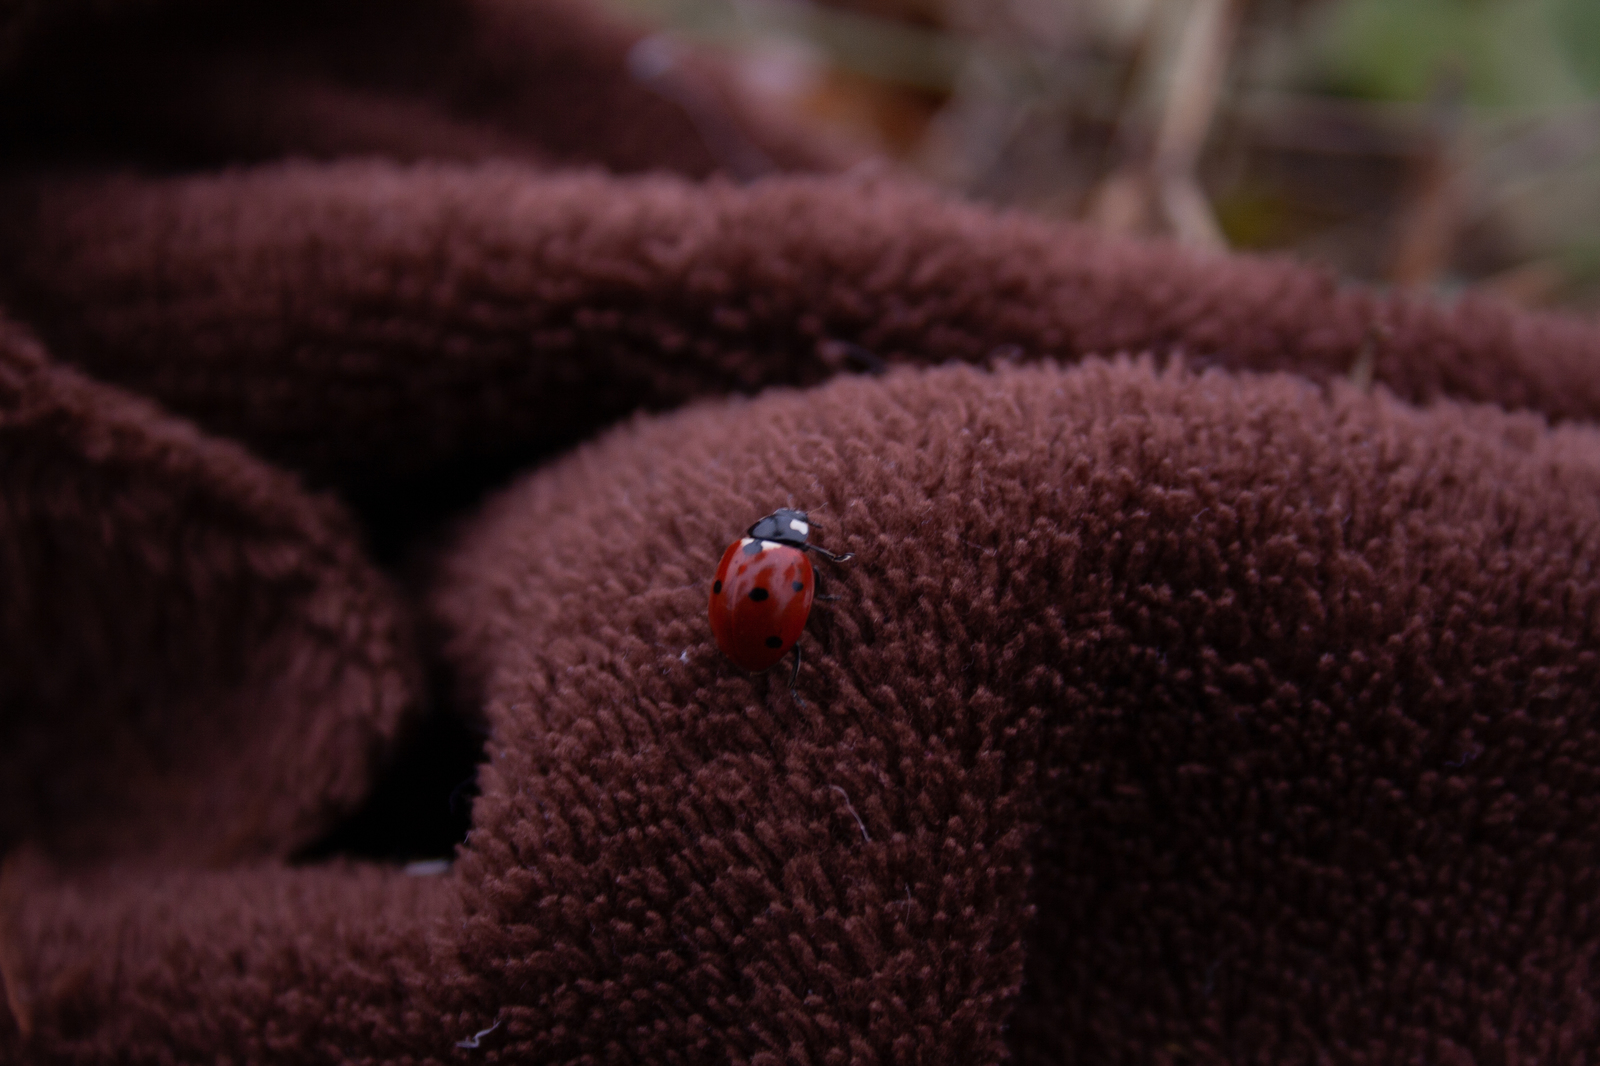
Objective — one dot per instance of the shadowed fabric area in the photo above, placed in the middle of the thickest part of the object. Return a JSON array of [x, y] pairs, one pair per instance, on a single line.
[[170, 602], [379, 386]]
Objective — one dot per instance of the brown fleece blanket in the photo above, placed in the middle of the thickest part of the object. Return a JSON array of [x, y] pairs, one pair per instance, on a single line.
[[1217, 678]]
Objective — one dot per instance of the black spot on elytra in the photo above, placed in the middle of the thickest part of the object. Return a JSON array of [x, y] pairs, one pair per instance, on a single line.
[[753, 548], [758, 594], [774, 642], [799, 586], [716, 588]]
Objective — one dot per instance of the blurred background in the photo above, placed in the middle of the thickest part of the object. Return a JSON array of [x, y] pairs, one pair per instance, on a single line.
[[1431, 143]]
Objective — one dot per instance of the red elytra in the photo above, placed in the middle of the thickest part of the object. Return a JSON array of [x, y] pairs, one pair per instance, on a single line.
[[762, 594]]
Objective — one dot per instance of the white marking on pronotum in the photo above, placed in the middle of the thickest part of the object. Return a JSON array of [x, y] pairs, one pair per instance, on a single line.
[[768, 544], [799, 526], [472, 1041], [743, 541]]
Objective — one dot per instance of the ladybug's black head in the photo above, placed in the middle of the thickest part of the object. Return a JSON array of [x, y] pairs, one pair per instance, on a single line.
[[783, 527]]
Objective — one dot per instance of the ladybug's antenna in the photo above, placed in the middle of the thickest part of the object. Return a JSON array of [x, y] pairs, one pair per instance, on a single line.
[[824, 552]]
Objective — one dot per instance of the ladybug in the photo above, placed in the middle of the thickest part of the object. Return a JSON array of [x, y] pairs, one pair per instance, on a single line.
[[763, 591]]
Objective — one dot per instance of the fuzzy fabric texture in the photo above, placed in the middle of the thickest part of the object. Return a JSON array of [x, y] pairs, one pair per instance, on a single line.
[[1217, 678]]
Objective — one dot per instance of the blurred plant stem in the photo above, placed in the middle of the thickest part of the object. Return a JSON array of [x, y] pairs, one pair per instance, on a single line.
[[1317, 127], [1161, 191]]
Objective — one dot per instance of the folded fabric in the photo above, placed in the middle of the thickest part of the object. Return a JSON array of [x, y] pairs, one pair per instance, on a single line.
[[1214, 679]]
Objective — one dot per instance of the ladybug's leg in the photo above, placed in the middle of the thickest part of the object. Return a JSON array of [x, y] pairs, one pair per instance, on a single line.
[[795, 677], [828, 555]]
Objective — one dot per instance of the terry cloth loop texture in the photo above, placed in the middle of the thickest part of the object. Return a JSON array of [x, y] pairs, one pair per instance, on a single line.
[[1146, 694], [372, 323], [171, 603], [1197, 706]]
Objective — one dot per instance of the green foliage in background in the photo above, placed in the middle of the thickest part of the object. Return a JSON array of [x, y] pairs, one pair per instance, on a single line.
[[1577, 26], [1507, 90], [1503, 53]]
